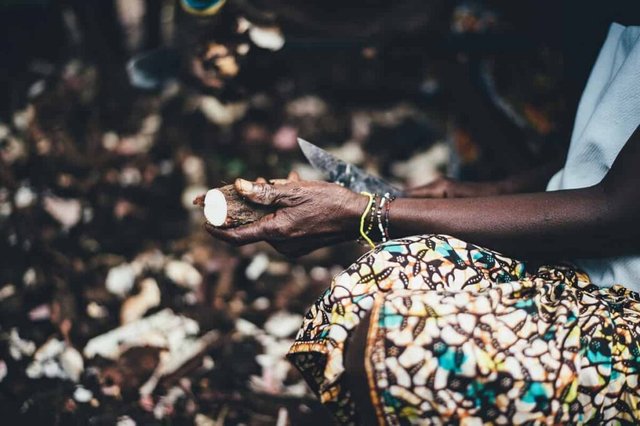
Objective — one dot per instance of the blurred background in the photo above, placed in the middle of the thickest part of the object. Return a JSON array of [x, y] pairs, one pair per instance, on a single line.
[[115, 306]]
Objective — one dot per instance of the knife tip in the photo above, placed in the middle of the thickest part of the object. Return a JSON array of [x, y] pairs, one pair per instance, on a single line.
[[305, 146]]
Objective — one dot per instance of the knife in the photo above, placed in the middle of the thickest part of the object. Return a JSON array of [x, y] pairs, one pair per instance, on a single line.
[[344, 173]]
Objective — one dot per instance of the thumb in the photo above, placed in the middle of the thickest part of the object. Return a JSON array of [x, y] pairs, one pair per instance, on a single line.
[[294, 176], [425, 191], [260, 193]]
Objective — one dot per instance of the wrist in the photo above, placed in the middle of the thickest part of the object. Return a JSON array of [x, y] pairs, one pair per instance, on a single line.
[[354, 209], [374, 219]]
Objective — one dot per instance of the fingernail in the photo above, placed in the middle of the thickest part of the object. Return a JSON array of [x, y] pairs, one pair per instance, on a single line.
[[245, 185]]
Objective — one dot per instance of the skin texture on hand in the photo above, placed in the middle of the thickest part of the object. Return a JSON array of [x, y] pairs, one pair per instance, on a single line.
[[309, 215]]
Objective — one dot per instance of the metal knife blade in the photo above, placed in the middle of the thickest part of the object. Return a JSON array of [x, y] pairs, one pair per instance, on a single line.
[[344, 173]]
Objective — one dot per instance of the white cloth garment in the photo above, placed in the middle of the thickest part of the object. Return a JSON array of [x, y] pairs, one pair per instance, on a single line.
[[608, 113]]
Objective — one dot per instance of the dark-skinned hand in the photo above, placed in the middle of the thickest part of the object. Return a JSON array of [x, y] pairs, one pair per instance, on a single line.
[[444, 187], [309, 215]]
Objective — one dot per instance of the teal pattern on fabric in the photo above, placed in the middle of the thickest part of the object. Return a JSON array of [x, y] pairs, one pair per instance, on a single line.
[[461, 333], [528, 305], [535, 391], [480, 394], [391, 321], [395, 248], [451, 361]]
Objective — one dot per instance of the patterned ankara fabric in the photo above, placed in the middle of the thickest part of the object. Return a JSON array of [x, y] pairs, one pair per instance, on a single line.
[[462, 334]]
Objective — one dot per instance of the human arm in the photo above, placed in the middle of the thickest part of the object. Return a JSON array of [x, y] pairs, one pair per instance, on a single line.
[[597, 221]]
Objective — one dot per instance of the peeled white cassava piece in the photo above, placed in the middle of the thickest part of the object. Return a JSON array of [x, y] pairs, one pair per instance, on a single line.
[[225, 208]]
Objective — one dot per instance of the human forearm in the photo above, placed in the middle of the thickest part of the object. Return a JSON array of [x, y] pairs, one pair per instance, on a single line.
[[596, 221], [541, 225]]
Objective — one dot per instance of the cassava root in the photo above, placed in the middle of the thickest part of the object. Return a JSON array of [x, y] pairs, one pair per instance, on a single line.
[[225, 208]]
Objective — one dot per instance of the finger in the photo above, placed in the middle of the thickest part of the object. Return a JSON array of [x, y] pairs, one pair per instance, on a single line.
[[293, 176], [412, 192], [426, 191], [439, 188], [260, 193], [199, 200], [278, 181], [239, 236], [263, 193], [261, 180]]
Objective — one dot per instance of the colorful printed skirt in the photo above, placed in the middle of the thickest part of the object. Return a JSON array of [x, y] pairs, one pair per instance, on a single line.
[[461, 334]]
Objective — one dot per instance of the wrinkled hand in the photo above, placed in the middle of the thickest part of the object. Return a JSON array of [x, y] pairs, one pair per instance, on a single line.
[[310, 215], [449, 188]]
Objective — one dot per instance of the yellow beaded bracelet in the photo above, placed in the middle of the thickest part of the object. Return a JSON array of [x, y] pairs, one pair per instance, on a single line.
[[363, 234]]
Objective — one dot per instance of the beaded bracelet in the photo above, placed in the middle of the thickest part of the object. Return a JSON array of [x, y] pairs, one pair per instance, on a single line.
[[379, 216], [383, 200], [390, 198], [383, 225], [372, 216], [370, 207]]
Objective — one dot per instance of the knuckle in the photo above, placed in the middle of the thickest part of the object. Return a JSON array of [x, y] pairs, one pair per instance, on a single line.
[[294, 196], [266, 193]]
